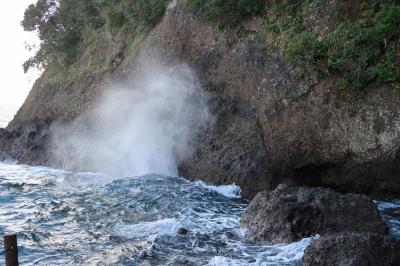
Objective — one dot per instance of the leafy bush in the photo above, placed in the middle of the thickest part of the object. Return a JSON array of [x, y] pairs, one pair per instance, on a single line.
[[365, 51], [230, 11], [135, 15], [305, 51], [362, 48], [65, 26], [60, 25]]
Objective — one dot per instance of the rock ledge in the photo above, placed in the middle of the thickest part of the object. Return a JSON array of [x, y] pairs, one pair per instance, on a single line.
[[353, 249], [291, 213]]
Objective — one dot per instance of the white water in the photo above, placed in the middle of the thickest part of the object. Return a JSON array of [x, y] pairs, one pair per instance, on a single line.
[[229, 191], [390, 211]]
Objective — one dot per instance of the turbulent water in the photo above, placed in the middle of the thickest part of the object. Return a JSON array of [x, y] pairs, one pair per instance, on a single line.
[[65, 218]]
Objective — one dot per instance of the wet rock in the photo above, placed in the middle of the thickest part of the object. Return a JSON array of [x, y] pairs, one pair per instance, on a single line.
[[291, 213], [183, 231], [231, 151], [353, 249]]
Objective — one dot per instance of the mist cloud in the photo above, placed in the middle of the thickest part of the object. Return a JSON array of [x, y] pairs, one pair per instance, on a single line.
[[147, 127]]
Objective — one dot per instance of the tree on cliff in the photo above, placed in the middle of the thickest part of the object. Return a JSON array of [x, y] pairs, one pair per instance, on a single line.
[[60, 26], [65, 26]]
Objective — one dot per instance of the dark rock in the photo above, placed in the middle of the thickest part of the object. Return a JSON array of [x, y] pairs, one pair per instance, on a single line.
[[231, 151], [333, 139], [183, 231], [291, 213], [353, 249], [26, 144]]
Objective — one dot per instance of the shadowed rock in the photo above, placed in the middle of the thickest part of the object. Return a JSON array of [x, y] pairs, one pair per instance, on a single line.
[[291, 213], [353, 249]]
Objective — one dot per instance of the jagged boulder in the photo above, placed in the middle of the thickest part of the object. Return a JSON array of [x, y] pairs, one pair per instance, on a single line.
[[291, 213], [353, 249]]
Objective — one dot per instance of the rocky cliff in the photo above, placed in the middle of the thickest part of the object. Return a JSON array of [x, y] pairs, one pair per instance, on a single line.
[[271, 127]]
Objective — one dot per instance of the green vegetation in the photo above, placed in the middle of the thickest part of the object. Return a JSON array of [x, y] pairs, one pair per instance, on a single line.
[[365, 51], [229, 11], [61, 26], [68, 28], [360, 46], [131, 15]]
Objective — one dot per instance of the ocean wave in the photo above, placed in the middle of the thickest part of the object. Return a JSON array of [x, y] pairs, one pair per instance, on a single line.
[[229, 191], [154, 229], [283, 254]]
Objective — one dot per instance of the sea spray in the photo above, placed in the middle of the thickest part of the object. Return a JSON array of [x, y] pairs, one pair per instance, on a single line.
[[138, 128], [229, 191]]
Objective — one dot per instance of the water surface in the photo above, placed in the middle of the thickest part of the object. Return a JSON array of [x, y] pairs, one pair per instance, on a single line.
[[65, 218]]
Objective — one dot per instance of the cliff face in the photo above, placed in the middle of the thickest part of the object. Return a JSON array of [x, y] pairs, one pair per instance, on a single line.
[[270, 126]]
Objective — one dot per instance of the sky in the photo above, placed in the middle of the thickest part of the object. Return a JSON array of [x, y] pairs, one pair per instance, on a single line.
[[14, 85]]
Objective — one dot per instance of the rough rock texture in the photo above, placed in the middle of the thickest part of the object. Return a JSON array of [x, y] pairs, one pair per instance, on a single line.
[[291, 213], [27, 143], [270, 127], [349, 143], [353, 249]]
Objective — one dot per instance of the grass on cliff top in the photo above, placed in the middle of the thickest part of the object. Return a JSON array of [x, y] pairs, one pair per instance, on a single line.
[[359, 41], [69, 29]]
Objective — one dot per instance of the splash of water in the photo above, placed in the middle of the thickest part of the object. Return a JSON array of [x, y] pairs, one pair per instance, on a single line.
[[136, 129]]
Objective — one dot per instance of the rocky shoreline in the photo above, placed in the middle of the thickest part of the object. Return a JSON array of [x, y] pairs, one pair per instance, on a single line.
[[270, 129], [349, 228], [352, 249], [289, 214]]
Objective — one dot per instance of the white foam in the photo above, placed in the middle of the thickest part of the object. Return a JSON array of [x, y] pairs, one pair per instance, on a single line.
[[388, 211], [86, 179], [268, 255], [40, 175], [382, 205], [293, 251], [229, 191], [8, 162], [221, 261], [155, 229]]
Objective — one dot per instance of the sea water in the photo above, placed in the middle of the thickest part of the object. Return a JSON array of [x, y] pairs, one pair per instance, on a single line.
[[65, 218]]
